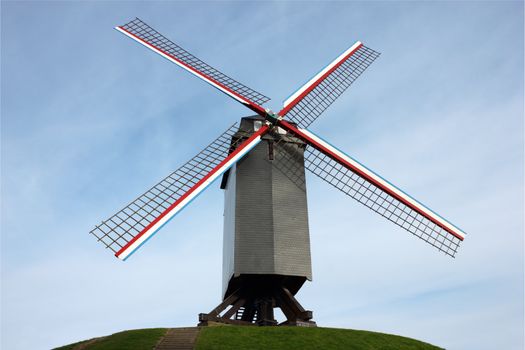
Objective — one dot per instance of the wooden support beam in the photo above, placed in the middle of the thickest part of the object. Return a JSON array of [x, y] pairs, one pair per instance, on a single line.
[[227, 302], [234, 308], [249, 312]]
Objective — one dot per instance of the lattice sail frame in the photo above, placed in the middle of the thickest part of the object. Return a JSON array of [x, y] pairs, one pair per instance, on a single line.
[[129, 228], [379, 201], [305, 105], [149, 37]]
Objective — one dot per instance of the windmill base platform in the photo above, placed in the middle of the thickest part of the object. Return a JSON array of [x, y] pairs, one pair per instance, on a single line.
[[253, 303]]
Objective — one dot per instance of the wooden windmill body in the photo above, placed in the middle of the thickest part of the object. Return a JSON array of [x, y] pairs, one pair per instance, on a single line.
[[266, 249]]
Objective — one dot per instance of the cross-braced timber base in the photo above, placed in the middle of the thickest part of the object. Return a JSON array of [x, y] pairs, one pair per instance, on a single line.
[[253, 304]]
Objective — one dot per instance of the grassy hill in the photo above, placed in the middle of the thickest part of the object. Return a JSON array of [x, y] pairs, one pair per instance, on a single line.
[[267, 338]]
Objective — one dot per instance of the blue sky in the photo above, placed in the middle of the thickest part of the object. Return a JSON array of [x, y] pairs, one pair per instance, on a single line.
[[91, 119]]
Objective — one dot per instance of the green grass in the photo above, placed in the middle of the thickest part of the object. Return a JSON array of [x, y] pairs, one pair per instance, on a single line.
[[267, 338], [70, 346], [253, 338], [139, 339]]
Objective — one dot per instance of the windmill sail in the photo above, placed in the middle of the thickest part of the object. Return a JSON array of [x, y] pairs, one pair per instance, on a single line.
[[370, 189], [129, 228], [149, 37], [305, 105]]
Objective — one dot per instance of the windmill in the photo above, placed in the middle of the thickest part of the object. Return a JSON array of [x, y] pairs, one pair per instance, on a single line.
[[262, 163]]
